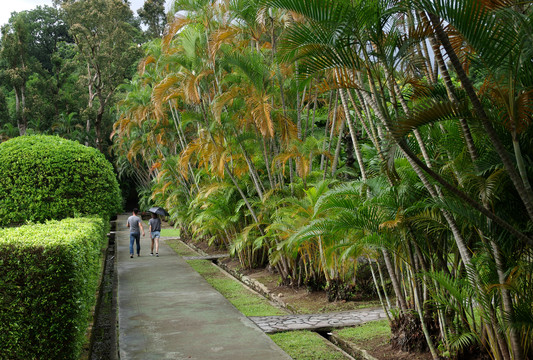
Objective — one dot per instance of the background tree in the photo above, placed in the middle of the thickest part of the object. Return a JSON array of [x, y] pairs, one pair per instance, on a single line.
[[105, 38], [51, 87], [153, 15], [15, 52]]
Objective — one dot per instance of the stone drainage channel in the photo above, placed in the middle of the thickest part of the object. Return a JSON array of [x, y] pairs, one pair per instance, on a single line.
[[103, 341], [322, 324]]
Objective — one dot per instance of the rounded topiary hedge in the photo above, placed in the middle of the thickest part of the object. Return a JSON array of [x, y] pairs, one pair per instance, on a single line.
[[47, 177]]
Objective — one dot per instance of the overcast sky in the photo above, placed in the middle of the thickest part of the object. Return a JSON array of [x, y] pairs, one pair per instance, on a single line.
[[8, 6]]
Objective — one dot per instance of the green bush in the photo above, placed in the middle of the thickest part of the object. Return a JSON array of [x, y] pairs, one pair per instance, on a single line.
[[48, 279], [47, 177]]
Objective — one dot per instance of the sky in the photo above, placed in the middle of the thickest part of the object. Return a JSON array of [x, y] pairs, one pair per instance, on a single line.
[[8, 6]]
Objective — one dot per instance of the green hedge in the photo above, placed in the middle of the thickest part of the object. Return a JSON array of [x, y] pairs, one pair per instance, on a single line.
[[48, 280], [47, 177]]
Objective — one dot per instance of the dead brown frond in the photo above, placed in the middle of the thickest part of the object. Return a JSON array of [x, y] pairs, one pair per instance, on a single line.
[[221, 36], [173, 28]]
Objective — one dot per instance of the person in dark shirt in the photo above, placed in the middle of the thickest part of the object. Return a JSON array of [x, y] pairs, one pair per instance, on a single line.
[[155, 233], [136, 226]]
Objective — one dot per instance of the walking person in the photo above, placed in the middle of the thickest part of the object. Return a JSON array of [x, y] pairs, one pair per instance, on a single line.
[[136, 226], [155, 233]]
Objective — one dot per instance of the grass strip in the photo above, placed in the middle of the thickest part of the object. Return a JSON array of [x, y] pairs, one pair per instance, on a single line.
[[243, 299], [306, 345], [365, 332], [170, 232], [179, 247]]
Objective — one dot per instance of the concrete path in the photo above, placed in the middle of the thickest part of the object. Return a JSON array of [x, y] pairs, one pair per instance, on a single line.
[[273, 324], [168, 311]]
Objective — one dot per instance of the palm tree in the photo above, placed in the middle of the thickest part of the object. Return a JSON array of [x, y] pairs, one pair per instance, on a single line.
[[237, 91]]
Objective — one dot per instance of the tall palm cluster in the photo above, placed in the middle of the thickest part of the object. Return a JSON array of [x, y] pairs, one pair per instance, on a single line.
[[315, 136]]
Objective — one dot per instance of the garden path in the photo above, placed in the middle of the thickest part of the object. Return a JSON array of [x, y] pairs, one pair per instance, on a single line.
[[168, 311]]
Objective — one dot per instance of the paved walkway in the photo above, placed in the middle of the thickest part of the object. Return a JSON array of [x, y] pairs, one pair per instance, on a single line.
[[272, 324], [168, 311]]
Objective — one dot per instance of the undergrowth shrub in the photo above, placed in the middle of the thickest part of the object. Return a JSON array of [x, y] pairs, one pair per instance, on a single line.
[[48, 279], [47, 177]]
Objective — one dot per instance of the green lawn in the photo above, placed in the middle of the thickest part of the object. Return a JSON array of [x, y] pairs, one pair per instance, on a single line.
[[306, 345]]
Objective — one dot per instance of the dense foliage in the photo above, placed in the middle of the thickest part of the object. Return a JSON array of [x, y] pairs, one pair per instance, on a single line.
[[48, 278], [47, 177], [311, 135], [61, 67]]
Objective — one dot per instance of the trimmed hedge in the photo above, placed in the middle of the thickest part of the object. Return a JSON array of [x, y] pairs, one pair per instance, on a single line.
[[47, 177], [48, 280]]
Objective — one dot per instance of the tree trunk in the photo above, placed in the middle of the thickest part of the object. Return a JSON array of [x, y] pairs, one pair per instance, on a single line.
[[353, 135], [337, 150], [394, 280], [376, 285], [19, 111]]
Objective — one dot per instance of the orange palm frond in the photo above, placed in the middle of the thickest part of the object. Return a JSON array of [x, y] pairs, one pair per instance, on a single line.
[[345, 78], [420, 31], [159, 93], [221, 36], [461, 47], [185, 158], [156, 166], [340, 116], [135, 147], [144, 62], [516, 110], [287, 129], [226, 98], [421, 89], [173, 28], [261, 114], [301, 160], [393, 224]]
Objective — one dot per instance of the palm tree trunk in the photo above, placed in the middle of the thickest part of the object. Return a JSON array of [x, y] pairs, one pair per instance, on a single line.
[[323, 261], [376, 285], [337, 150], [329, 123], [418, 306], [396, 89], [520, 162], [394, 279], [266, 158], [243, 196], [353, 135], [383, 286], [252, 172]]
